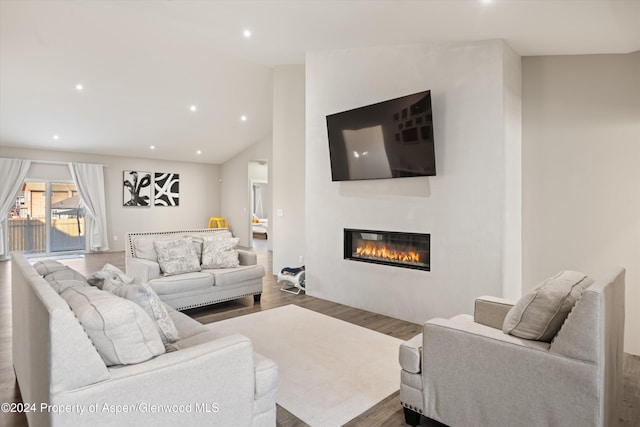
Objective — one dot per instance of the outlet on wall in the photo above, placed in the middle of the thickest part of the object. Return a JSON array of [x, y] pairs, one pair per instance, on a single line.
[[301, 259], [115, 238]]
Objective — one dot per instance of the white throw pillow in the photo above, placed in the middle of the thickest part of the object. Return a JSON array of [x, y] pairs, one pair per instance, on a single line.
[[122, 332], [145, 297], [219, 252], [109, 278], [177, 256], [539, 315]]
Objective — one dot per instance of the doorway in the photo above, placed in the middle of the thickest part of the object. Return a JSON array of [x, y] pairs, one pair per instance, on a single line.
[[260, 201], [46, 218]]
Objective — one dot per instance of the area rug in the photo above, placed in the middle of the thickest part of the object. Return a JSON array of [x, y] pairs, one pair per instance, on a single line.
[[330, 371]]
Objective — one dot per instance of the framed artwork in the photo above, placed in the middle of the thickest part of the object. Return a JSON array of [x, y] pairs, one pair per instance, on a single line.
[[136, 188], [166, 189]]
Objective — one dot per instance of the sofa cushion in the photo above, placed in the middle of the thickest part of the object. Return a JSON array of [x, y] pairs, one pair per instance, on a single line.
[[219, 252], [120, 330], [181, 283], [186, 326], [177, 256], [143, 246], [48, 266], [236, 276], [109, 278], [145, 297], [539, 315]]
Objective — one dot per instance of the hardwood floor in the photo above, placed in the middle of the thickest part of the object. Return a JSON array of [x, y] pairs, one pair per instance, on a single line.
[[387, 413]]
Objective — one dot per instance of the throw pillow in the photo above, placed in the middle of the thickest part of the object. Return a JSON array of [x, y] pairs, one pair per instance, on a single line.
[[65, 273], [539, 315], [145, 297], [220, 253], [109, 278], [177, 256], [122, 332], [60, 285], [48, 266]]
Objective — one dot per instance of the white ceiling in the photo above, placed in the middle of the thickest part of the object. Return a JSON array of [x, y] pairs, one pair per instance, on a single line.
[[143, 63]]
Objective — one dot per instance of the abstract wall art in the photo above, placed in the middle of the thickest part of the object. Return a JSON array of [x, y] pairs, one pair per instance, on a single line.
[[136, 188], [167, 189]]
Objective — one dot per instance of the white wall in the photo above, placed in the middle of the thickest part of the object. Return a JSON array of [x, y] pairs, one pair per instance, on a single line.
[[288, 167], [463, 207], [236, 189], [199, 191], [581, 170]]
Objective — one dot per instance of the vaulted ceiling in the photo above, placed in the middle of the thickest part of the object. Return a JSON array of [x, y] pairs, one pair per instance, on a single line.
[[145, 65]]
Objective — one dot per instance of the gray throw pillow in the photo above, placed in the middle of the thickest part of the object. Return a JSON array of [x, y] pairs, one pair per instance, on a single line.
[[177, 256], [109, 278], [539, 315], [145, 297], [65, 273], [122, 332], [48, 266]]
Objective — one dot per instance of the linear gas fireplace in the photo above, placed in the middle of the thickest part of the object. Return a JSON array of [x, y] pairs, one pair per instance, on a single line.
[[408, 250]]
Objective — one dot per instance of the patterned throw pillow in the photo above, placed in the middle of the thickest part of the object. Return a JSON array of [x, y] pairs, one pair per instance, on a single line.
[[177, 256], [145, 297], [219, 252], [109, 278]]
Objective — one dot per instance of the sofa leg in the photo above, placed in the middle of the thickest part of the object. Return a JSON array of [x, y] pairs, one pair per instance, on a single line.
[[411, 417], [256, 298]]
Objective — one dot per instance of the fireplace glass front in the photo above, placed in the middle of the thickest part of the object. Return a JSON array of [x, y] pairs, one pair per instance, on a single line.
[[408, 250]]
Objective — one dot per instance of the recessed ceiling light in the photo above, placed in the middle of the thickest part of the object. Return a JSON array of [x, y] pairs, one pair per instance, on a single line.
[[56, 137], [243, 118], [153, 147], [198, 152], [79, 87], [247, 34], [486, 1], [193, 108]]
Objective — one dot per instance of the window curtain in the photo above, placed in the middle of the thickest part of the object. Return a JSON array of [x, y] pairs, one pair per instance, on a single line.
[[89, 180], [12, 175]]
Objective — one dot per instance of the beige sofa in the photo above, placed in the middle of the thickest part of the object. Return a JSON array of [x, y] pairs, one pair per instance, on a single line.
[[209, 380], [195, 289]]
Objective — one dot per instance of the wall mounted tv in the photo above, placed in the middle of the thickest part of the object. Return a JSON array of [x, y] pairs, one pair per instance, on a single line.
[[390, 139]]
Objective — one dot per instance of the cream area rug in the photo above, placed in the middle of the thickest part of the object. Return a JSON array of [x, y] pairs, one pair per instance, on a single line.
[[329, 371]]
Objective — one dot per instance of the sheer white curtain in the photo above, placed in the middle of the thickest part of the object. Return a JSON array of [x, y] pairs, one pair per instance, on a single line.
[[12, 175], [89, 180]]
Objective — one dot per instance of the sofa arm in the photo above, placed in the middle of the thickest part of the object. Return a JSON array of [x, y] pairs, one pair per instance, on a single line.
[[247, 257], [212, 383], [142, 270], [491, 311]]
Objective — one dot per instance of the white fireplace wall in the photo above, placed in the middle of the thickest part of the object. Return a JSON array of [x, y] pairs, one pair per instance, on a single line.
[[463, 207]]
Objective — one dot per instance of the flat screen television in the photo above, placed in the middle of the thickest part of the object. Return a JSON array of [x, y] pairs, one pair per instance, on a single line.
[[390, 139]]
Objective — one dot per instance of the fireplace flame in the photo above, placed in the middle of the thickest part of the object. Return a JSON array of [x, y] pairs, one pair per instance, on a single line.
[[381, 251]]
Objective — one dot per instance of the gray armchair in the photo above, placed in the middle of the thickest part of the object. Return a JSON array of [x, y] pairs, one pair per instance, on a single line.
[[465, 371]]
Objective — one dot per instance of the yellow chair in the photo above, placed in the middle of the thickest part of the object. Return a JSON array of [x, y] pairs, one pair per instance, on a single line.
[[218, 221]]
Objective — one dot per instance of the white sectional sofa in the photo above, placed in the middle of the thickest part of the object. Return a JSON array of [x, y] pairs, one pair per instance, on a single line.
[[209, 380], [193, 289]]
